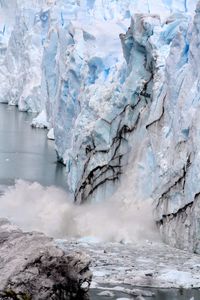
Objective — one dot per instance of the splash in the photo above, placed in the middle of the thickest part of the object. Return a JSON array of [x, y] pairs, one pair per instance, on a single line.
[[51, 210]]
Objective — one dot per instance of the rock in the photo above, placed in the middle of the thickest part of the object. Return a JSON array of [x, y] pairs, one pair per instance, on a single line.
[[33, 267]]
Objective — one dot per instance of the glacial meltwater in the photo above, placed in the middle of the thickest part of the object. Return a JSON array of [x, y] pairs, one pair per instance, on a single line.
[[27, 154], [159, 294]]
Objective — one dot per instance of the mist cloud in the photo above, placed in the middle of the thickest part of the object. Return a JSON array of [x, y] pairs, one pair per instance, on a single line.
[[51, 210]]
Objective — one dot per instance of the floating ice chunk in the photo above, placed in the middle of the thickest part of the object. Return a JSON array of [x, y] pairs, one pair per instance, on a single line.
[[50, 134], [41, 121], [106, 294], [85, 286]]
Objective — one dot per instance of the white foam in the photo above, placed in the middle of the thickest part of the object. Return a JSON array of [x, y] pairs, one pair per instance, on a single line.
[[51, 210]]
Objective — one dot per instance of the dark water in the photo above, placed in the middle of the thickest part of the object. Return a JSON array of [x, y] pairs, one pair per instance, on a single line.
[[25, 152], [159, 294]]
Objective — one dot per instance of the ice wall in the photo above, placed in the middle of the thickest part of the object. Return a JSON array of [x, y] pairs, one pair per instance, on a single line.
[[174, 138], [165, 140], [7, 20], [141, 113], [20, 72], [122, 104]]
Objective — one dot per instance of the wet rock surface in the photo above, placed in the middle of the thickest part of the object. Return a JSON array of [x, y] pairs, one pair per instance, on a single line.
[[33, 267]]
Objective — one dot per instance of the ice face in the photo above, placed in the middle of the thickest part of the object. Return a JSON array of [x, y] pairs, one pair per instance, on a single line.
[[7, 19], [114, 97], [30, 25]]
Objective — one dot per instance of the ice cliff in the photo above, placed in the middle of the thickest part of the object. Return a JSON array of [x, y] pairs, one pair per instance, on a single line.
[[114, 97]]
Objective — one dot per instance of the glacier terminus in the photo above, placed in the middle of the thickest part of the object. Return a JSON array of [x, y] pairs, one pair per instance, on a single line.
[[117, 85]]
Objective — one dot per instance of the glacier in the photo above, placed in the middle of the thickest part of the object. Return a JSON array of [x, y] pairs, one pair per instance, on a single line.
[[117, 86]]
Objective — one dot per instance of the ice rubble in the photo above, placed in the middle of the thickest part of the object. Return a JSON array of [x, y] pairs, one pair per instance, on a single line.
[[146, 264], [107, 106]]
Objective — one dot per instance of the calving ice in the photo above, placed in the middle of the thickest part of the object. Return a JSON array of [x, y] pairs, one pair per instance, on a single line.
[[118, 82]]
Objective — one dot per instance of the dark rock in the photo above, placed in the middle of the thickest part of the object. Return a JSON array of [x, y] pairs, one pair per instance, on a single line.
[[32, 267]]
